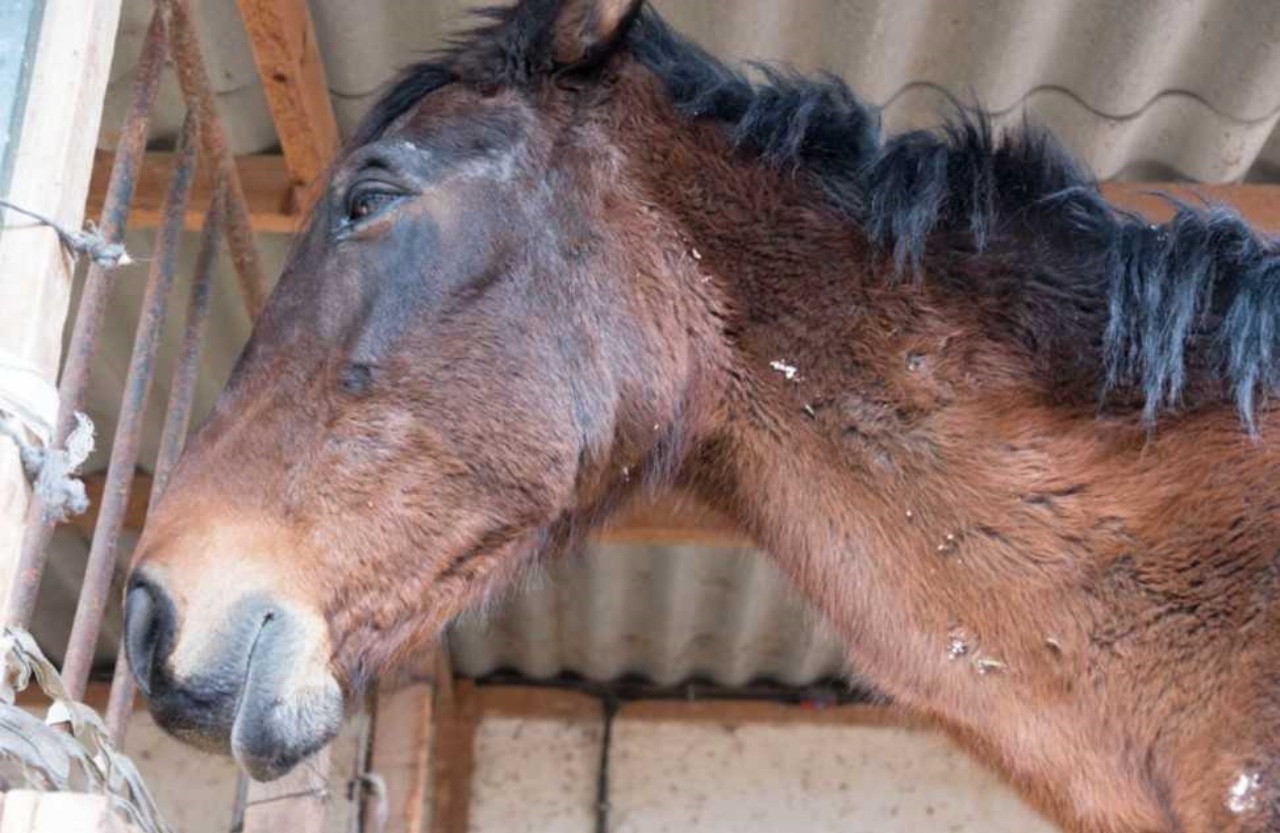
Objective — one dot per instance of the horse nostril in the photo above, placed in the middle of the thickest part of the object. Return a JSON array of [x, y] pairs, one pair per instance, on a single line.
[[144, 623]]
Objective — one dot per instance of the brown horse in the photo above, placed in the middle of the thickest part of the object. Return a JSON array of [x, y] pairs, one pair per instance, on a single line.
[[1013, 443]]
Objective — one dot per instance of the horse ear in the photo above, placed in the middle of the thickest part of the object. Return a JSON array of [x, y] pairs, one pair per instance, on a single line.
[[586, 30]]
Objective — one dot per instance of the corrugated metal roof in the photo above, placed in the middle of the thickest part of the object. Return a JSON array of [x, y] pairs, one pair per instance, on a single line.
[[665, 613], [1155, 90], [1151, 90]]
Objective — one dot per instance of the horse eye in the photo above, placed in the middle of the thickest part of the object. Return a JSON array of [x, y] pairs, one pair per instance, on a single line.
[[367, 202]]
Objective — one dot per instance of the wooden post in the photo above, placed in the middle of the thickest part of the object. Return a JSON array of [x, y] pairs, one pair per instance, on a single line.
[[288, 59], [457, 717], [49, 168], [403, 749]]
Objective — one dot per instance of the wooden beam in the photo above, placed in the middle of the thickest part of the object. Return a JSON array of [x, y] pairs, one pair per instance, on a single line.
[[1258, 204], [404, 719], [96, 695], [288, 59], [135, 513], [267, 187], [266, 181], [457, 717], [50, 170], [533, 702], [402, 747]]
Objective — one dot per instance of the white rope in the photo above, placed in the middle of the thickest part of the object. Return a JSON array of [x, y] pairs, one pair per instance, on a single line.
[[28, 416]]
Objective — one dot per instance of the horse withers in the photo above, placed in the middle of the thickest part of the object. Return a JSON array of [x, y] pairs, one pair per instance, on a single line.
[[1014, 444]]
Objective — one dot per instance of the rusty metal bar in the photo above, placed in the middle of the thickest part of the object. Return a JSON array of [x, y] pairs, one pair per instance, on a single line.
[[183, 390], [133, 405], [177, 421], [93, 306], [198, 91]]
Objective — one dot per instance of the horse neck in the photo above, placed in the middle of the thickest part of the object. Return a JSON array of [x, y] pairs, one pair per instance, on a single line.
[[856, 443], [983, 548], [866, 431]]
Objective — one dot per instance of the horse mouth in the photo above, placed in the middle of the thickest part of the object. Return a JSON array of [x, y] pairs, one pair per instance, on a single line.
[[289, 705], [239, 710], [258, 687]]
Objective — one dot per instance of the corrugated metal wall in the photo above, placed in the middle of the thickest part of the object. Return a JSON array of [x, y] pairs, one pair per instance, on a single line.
[[1158, 89]]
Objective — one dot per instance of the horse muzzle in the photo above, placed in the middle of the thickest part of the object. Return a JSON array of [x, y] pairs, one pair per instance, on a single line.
[[250, 680]]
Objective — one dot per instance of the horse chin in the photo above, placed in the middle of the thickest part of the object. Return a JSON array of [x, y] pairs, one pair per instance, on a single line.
[[272, 735]]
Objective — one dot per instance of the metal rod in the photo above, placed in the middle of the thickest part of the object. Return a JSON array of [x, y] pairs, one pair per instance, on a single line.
[[177, 421], [198, 91], [133, 405], [183, 390], [240, 803], [93, 306]]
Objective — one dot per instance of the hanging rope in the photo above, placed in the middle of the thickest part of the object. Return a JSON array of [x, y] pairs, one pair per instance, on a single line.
[[28, 412], [29, 403], [88, 241]]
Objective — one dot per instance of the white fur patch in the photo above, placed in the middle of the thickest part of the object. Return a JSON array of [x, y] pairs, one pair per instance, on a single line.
[[1243, 795]]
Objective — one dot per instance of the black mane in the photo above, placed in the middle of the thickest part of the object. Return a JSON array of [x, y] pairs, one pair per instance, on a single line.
[[1164, 310]]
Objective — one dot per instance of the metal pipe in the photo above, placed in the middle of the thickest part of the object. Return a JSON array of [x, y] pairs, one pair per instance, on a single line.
[[133, 405], [177, 421], [240, 803], [198, 91], [93, 307]]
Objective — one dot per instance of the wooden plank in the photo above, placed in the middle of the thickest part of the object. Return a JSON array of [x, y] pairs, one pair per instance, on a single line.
[[768, 713], [135, 513], [1259, 204], [296, 802], [288, 59], [532, 702], [673, 519], [402, 744], [404, 718], [457, 717], [96, 696], [265, 179], [50, 170], [267, 187]]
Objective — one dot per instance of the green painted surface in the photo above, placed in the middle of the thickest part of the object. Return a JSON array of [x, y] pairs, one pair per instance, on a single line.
[[19, 31]]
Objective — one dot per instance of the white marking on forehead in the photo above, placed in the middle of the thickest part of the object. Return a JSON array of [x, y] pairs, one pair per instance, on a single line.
[[501, 168], [1243, 795]]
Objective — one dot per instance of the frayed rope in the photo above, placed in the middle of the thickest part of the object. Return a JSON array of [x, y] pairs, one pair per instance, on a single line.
[[88, 241], [52, 471], [28, 412]]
